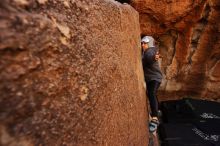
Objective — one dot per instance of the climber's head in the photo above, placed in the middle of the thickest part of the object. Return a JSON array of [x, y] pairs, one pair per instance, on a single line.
[[144, 43]]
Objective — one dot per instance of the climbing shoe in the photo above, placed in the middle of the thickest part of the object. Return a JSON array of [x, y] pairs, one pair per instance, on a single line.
[[153, 125]]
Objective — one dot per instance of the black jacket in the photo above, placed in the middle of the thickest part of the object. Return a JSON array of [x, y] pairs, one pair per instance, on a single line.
[[151, 66]]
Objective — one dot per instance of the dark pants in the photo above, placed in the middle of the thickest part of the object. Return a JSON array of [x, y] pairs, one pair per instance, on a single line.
[[152, 87]]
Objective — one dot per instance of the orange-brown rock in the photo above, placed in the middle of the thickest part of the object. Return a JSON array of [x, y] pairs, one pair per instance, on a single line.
[[187, 32], [70, 74]]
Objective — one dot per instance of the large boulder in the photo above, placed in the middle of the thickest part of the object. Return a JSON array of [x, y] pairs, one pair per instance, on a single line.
[[70, 74]]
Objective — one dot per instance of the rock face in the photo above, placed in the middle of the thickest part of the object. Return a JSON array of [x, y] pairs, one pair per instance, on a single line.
[[70, 74], [188, 36]]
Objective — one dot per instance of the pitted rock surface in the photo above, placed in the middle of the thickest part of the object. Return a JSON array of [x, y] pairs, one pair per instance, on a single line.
[[70, 74]]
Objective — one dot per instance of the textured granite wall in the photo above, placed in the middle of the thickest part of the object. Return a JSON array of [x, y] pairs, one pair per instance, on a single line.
[[70, 74]]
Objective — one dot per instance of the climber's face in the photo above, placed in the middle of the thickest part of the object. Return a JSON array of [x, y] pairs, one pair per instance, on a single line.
[[144, 46]]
